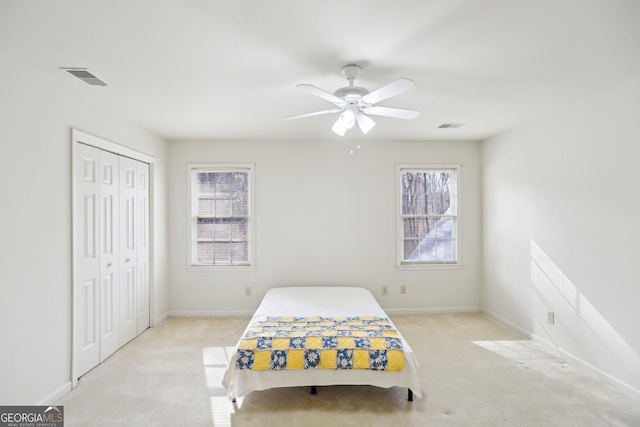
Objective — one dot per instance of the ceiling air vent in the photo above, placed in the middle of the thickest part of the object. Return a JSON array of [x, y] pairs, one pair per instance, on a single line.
[[450, 125], [85, 76]]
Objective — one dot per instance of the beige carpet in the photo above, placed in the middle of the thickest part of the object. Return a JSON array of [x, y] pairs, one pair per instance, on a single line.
[[474, 372]]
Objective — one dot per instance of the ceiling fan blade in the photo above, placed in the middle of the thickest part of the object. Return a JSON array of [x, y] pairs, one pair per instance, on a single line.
[[317, 113], [365, 122], [392, 89], [398, 113], [321, 93]]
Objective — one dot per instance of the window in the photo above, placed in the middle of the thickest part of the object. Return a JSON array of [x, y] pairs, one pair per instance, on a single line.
[[221, 215], [428, 216]]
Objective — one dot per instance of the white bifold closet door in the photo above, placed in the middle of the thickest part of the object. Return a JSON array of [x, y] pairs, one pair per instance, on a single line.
[[134, 248], [142, 252], [111, 253], [109, 263]]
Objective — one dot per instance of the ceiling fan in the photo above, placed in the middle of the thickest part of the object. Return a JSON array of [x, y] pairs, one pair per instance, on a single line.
[[357, 103]]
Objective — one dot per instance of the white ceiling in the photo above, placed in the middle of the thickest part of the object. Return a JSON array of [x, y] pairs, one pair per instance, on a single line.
[[227, 70]]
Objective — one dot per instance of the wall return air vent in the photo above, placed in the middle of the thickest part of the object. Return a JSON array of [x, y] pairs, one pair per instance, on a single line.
[[85, 76]]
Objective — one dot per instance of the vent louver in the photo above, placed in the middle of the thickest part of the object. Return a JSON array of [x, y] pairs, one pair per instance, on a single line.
[[85, 76]]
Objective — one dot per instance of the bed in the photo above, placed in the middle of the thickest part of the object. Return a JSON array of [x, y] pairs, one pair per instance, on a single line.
[[324, 304]]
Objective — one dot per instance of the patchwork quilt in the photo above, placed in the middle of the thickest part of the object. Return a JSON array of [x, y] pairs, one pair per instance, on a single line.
[[289, 343]]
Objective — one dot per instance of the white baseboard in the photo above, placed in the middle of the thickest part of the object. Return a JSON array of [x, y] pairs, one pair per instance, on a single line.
[[585, 366], [56, 395], [505, 322], [443, 310], [160, 319], [390, 311], [571, 359], [210, 313]]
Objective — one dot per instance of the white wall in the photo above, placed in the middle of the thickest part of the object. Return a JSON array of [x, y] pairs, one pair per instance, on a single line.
[[561, 224], [324, 217], [36, 116]]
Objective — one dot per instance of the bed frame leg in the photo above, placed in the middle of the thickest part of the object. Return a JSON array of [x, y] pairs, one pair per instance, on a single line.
[[410, 397], [314, 390]]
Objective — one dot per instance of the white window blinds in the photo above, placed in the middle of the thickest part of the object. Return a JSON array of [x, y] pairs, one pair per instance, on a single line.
[[221, 216]]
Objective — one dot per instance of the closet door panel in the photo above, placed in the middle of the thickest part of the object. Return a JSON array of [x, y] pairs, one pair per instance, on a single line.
[[86, 259], [109, 255], [142, 253], [128, 248]]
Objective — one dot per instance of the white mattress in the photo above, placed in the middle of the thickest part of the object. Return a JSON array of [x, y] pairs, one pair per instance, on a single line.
[[319, 301]]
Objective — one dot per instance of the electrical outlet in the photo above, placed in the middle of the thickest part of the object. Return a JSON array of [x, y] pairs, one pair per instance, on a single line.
[[247, 291], [403, 289], [385, 290], [551, 317]]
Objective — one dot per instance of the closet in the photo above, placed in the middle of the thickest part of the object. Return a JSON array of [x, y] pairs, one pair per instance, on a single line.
[[110, 253]]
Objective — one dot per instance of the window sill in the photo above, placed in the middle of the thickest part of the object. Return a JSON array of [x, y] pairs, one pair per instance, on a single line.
[[220, 268], [409, 267]]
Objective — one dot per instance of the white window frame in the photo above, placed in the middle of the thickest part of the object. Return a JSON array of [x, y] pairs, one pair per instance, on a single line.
[[192, 169], [401, 264]]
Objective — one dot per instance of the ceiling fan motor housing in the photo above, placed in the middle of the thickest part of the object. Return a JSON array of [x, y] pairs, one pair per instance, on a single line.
[[351, 93]]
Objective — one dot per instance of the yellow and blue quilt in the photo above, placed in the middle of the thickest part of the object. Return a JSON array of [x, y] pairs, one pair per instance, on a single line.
[[290, 343]]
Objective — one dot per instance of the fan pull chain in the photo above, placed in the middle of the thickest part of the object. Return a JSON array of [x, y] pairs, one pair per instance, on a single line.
[[353, 141]]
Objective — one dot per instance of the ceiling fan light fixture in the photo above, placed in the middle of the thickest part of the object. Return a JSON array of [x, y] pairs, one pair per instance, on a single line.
[[365, 122], [339, 128], [348, 117]]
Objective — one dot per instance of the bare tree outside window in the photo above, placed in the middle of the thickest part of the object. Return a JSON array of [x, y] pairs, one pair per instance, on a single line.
[[428, 216]]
